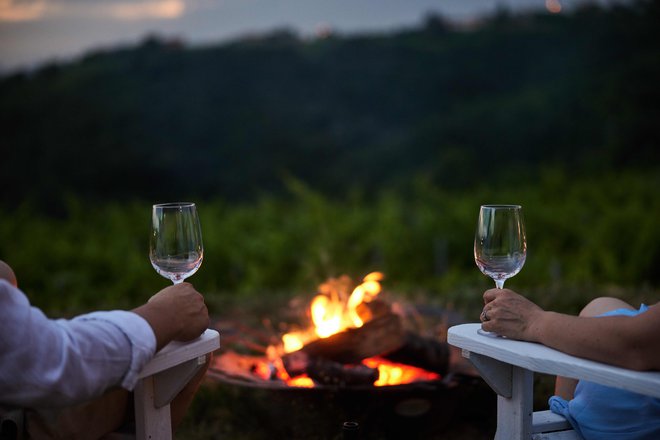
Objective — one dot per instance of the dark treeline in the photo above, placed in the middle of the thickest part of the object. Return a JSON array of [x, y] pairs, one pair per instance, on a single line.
[[512, 96]]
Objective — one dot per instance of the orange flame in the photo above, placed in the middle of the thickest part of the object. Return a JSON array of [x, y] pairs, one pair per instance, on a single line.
[[332, 314], [392, 373], [333, 311]]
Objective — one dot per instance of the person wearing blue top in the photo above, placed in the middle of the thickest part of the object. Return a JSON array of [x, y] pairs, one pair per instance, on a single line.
[[607, 330], [71, 377]]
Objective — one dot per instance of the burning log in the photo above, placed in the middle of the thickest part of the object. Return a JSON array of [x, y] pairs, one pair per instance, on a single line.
[[418, 351], [327, 372], [360, 341], [335, 360], [376, 337], [373, 310]]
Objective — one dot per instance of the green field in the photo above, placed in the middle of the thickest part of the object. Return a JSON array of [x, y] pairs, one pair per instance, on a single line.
[[586, 238]]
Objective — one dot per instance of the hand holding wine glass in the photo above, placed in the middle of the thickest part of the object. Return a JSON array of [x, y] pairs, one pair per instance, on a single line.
[[500, 244], [175, 246]]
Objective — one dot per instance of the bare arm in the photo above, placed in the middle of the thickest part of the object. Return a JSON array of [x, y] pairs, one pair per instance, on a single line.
[[629, 342]]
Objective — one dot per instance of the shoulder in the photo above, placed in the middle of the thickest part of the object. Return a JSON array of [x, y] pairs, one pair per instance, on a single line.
[[11, 296]]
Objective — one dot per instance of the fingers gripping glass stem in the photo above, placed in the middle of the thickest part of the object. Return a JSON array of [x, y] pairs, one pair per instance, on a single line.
[[500, 246]]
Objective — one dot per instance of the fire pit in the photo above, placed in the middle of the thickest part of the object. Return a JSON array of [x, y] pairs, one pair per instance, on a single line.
[[353, 357]]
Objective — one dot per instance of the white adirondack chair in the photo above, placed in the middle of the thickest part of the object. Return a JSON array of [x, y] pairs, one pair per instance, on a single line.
[[162, 379], [508, 367], [160, 382]]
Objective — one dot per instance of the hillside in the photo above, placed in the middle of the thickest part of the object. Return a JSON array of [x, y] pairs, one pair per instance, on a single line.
[[499, 102]]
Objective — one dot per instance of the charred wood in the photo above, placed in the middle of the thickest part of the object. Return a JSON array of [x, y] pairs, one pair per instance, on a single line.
[[376, 337], [422, 352], [327, 372]]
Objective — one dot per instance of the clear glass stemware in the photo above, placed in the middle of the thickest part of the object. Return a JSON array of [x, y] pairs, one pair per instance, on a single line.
[[175, 245], [500, 244]]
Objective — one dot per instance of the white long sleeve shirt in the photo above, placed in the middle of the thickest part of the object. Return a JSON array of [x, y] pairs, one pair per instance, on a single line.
[[46, 362]]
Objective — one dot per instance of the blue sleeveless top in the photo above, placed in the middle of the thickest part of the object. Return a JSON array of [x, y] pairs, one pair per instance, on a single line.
[[599, 412]]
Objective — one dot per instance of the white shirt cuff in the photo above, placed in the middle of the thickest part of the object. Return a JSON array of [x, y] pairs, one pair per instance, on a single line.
[[140, 336]]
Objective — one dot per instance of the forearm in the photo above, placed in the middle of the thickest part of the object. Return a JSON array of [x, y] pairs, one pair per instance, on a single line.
[[58, 363], [617, 340], [626, 341], [164, 324], [49, 362]]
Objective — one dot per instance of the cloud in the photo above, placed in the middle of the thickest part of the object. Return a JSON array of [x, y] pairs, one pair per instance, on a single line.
[[140, 10], [123, 10], [17, 10]]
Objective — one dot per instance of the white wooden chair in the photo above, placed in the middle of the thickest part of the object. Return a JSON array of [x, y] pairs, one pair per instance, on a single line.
[[160, 382], [508, 366], [162, 379]]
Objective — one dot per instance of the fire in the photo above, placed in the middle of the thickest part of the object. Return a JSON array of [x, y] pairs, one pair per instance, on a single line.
[[333, 311], [392, 373], [292, 342], [326, 316], [274, 368], [331, 314]]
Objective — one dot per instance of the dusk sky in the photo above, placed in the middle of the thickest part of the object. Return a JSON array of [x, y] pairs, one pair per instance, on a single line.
[[33, 31]]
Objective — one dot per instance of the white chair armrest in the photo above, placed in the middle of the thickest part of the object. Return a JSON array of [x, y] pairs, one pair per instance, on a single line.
[[542, 359], [508, 365], [162, 379]]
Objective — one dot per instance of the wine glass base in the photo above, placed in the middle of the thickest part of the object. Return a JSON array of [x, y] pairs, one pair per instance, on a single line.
[[483, 332]]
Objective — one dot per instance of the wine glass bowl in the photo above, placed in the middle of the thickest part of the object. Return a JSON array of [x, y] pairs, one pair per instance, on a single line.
[[175, 245], [500, 243]]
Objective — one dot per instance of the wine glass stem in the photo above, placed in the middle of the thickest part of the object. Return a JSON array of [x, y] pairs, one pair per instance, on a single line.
[[179, 281], [499, 284]]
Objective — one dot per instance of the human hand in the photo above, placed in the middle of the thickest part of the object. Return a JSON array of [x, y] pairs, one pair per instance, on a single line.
[[177, 312], [510, 314], [188, 306]]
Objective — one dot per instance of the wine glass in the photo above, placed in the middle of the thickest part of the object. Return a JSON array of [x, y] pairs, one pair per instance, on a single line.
[[175, 246], [500, 245]]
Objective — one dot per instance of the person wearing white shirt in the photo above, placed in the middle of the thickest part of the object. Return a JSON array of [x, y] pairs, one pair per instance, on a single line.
[[88, 364]]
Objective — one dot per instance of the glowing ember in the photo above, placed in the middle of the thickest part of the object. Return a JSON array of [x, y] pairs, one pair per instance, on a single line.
[[301, 381], [392, 373]]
